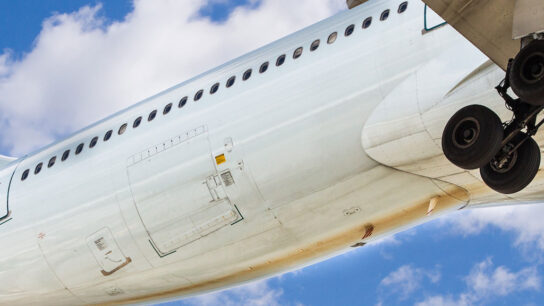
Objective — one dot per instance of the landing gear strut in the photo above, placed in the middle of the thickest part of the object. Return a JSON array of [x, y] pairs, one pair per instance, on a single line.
[[506, 153]]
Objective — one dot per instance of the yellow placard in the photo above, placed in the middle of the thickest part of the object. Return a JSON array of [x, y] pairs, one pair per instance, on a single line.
[[219, 159]]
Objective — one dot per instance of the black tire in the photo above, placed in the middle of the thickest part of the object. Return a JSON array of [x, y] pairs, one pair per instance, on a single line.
[[472, 137], [519, 174], [527, 73]]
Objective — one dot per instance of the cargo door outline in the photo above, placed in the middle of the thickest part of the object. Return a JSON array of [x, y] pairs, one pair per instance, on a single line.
[[177, 193]]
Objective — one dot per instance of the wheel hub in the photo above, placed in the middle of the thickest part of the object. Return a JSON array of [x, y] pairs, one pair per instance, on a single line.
[[533, 68], [466, 132], [505, 162]]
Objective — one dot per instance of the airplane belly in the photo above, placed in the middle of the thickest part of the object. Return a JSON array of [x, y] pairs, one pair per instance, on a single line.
[[313, 227]]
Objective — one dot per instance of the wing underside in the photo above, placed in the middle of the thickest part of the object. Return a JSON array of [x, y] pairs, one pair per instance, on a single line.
[[493, 26], [485, 23]]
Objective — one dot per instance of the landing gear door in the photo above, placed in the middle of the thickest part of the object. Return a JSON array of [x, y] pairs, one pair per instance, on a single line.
[[177, 192]]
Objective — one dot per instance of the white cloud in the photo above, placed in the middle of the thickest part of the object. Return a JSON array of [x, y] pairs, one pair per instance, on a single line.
[[253, 294], [524, 221], [4, 63], [407, 279], [82, 69], [486, 282]]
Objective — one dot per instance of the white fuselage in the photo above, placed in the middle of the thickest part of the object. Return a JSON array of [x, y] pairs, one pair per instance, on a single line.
[[259, 178]]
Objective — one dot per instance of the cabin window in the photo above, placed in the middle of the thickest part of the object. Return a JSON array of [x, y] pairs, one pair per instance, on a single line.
[[25, 175], [137, 122], [367, 22], [214, 88], [152, 115], [38, 168], [79, 148], [198, 95], [280, 60], [182, 102], [167, 109], [314, 45], [402, 7], [349, 30], [332, 38], [247, 75], [297, 53], [122, 129], [107, 136], [263, 68], [230, 81], [51, 162], [65, 155], [93, 142], [384, 15]]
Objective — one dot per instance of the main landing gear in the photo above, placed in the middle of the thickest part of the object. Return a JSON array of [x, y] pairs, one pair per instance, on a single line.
[[506, 154]]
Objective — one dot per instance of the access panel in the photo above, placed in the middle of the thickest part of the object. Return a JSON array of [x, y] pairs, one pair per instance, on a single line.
[[177, 192]]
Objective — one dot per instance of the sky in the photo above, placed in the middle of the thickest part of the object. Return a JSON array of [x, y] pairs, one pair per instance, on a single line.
[[65, 64]]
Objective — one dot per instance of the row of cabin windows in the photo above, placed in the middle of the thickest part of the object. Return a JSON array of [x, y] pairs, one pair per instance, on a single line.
[[215, 87]]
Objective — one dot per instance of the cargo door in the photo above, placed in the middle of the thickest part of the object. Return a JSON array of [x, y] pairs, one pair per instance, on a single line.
[[177, 191]]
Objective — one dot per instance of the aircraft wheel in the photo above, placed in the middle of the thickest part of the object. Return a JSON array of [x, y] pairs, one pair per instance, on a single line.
[[472, 137], [514, 172], [527, 73]]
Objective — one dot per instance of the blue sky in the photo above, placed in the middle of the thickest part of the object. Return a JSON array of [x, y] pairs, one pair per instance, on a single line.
[[484, 256]]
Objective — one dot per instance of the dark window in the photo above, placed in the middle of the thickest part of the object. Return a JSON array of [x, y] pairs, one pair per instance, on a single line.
[[384, 15], [230, 81], [93, 142], [79, 148], [65, 155], [263, 67], [349, 30], [199, 94], [332, 38], [367, 22], [167, 109], [247, 75], [38, 168], [25, 175], [107, 136], [214, 88], [151, 115], [280, 60], [51, 162], [122, 129], [182, 102], [297, 53], [402, 7], [314, 45], [137, 122]]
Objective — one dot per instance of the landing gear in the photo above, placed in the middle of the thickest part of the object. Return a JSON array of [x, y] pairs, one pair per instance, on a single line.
[[507, 155], [472, 137], [514, 168], [527, 73]]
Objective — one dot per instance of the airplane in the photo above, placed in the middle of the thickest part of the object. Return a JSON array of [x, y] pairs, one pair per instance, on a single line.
[[372, 121]]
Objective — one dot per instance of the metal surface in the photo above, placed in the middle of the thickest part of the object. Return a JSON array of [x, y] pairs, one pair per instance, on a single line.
[[486, 23], [528, 18], [353, 3]]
